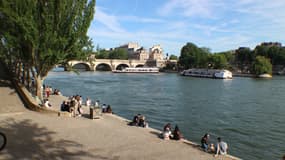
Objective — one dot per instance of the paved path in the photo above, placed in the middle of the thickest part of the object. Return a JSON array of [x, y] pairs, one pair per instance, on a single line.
[[32, 135], [10, 102]]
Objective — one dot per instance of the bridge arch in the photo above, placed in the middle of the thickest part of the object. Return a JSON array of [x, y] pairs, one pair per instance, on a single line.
[[122, 66], [103, 67], [81, 66]]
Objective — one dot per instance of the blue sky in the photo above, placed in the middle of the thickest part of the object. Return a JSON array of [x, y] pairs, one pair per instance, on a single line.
[[217, 24]]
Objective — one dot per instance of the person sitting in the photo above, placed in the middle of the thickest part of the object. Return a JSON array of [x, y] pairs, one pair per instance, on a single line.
[[109, 109], [177, 134], [283, 158], [65, 106], [135, 121], [142, 122], [222, 147], [167, 127], [56, 92], [104, 108], [47, 104], [166, 135], [204, 142], [212, 148]]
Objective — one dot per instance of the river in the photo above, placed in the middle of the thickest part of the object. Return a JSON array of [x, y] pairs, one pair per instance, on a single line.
[[249, 114]]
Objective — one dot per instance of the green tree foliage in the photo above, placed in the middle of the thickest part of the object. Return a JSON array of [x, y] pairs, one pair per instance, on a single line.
[[275, 53], [262, 65], [173, 57], [244, 56], [192, 56], [118, 54], [102, 54], [217, 61], [229, 56], [38, 34], [261, 50]]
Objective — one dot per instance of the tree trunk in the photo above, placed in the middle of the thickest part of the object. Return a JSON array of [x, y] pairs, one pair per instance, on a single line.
[[28, 79], [23, 77], [39, 92]]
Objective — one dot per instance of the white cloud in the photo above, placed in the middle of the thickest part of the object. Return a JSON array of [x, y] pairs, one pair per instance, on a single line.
[[190, 8], [140, 19], [110, 21], [235, 23]]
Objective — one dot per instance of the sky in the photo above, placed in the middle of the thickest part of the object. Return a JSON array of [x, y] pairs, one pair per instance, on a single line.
[[220, 25]]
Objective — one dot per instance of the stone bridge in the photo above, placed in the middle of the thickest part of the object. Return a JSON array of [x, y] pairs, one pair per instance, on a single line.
[[106, 64]]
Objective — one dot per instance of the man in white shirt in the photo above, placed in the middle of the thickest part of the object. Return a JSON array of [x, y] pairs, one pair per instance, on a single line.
[[222, 147]]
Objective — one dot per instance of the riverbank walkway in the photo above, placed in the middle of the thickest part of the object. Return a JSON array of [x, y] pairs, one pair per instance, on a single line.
[[33, 135]]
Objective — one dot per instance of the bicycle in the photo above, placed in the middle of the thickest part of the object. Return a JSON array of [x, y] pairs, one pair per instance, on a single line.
[[3, 141]]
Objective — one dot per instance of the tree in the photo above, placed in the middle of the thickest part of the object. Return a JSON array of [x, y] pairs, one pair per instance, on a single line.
[[38, 34], [262, 65], [192, 56], [118, 54], [261, 50], [173, 57], [217, 61], [102, 54]]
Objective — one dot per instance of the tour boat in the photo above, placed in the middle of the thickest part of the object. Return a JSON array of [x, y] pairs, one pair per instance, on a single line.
[[208, 73], [138, 70], [264, 76]]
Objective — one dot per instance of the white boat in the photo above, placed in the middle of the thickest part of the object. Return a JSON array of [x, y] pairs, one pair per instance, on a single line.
[[208, 73], [138, 70], [264, 76]]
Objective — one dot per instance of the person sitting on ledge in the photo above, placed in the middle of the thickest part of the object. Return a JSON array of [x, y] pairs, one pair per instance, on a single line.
[[135, 121], [166, 135], [204, 142], [212, 148], [109, 109], [222, 147], [65, 106], [177, 134], [104, 107], [47, 104], [56, 92], [142, 122]]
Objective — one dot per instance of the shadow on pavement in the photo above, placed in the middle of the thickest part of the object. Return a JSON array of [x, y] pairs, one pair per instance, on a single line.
[[28, 140]]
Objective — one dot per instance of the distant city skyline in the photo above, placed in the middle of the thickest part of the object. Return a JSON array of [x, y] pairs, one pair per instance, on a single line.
[[217, 24]]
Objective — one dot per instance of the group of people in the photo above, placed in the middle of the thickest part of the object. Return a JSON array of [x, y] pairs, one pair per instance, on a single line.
[[49, 91], [220, 148], [139, 120], [74, 105], [106, 108], [169, 134]]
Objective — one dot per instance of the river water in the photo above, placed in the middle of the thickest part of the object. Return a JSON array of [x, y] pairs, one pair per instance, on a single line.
[[249, 114]]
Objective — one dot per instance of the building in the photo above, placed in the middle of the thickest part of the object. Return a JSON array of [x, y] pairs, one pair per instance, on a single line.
[[141, 54], [130, 48], [156, 53], [271, 44], [135, 51]]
